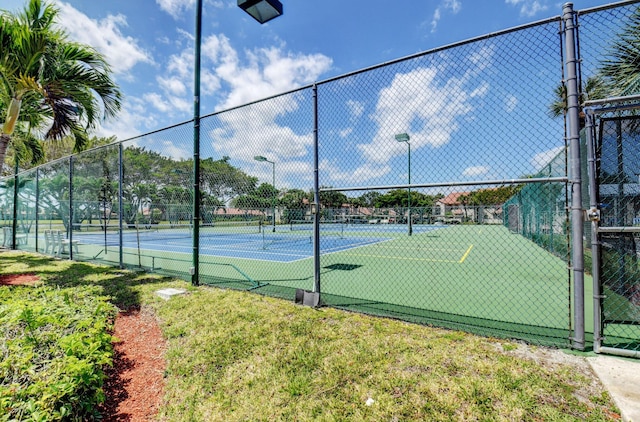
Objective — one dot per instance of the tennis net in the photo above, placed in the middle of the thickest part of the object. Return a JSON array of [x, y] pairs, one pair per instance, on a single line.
[[327, 227], [110, 234]]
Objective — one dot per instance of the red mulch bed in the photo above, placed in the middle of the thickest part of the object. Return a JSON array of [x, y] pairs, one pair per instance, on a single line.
[[18, 279], [135, 384]]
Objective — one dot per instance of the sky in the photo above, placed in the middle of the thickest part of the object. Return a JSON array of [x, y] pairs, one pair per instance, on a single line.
[[150, 46]]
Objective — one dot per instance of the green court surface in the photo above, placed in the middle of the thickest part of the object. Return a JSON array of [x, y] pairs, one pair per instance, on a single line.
[[482, 279]]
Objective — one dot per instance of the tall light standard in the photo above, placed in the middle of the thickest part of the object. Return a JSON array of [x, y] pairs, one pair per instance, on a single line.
[[403, 137], [273, 199], [262, 11]]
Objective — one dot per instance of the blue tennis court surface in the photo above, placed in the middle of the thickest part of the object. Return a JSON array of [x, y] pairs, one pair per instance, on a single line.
[[283, 245]]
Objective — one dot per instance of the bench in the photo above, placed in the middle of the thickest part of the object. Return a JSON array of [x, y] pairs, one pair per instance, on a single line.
[[56, 244], [21, 238]]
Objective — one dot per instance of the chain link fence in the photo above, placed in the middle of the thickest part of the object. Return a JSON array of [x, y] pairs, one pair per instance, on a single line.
[[433, 189], [611, 240]]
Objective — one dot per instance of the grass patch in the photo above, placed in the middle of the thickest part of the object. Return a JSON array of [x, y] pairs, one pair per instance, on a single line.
[[236, 356], [240, 356]]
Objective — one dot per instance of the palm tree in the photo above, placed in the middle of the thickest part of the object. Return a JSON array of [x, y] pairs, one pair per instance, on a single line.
[[49, 84], [622, 67], [594, 88]]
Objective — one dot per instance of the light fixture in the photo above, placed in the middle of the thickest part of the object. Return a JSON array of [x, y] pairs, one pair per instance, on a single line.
[[261, 10]]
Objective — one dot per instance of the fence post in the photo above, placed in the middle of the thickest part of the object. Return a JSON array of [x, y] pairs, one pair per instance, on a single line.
[[37, 204], [316, 197], [70, 226], [195, 270], [573, 113], [14, 224], [594, 217], [120, 204]]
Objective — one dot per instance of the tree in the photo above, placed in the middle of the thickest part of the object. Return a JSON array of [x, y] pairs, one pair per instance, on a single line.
[[594, 88], [260, 198], [332, 199], [398, 199], [220, 179], [48, 83], [622, 67], [296, 204], [295, 199], [369, 198]]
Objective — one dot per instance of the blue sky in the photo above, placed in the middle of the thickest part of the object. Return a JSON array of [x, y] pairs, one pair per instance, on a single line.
[[149, 44]]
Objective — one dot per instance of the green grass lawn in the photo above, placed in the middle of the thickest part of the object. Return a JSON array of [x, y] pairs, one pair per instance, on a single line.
[[236, 356]]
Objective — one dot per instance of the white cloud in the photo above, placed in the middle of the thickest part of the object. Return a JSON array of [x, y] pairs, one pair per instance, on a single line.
[[169, 149], [240, 80], [262, 73], [435, 111], [172, 85], [133, 119], [157, 102], [475, 171], [269, 71], [356, 108], [542, 159], [435, 20], [175, 7], [528, 8], [430, 115], [480, 91], [181, 65], [510, 103], [257, 123], [340, 176], [121, 52], [345, 132], [453, 6]]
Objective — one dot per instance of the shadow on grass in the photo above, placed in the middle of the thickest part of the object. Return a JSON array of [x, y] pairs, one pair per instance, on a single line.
[[119, 285]]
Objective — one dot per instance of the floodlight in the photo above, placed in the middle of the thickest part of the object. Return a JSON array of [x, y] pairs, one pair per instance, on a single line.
[[261, 10]]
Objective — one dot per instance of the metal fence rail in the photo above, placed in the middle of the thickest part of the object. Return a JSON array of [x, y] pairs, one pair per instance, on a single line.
[[442, 188]]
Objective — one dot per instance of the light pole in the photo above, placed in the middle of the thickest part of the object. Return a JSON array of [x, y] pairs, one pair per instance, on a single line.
[[403, 137], [273, 199], [262, 11]]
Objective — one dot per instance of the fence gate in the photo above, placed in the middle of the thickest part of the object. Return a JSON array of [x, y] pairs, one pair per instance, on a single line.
[[613, 145]]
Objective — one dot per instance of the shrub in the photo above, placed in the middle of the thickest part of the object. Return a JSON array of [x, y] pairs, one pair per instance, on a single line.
[[54, 344]]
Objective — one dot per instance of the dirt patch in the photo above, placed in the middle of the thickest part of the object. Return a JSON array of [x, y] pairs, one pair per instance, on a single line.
[[18, 279]]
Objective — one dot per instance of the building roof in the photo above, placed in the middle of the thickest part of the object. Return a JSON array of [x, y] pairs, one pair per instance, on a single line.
[[452, 198]]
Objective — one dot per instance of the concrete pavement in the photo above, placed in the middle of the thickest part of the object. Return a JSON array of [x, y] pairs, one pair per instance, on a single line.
[[621, 378]]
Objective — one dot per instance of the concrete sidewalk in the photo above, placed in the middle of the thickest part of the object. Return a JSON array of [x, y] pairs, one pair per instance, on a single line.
[[621, 378]]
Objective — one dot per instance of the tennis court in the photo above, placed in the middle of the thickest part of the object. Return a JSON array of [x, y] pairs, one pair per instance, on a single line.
[[372, 268], [250, 240]]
